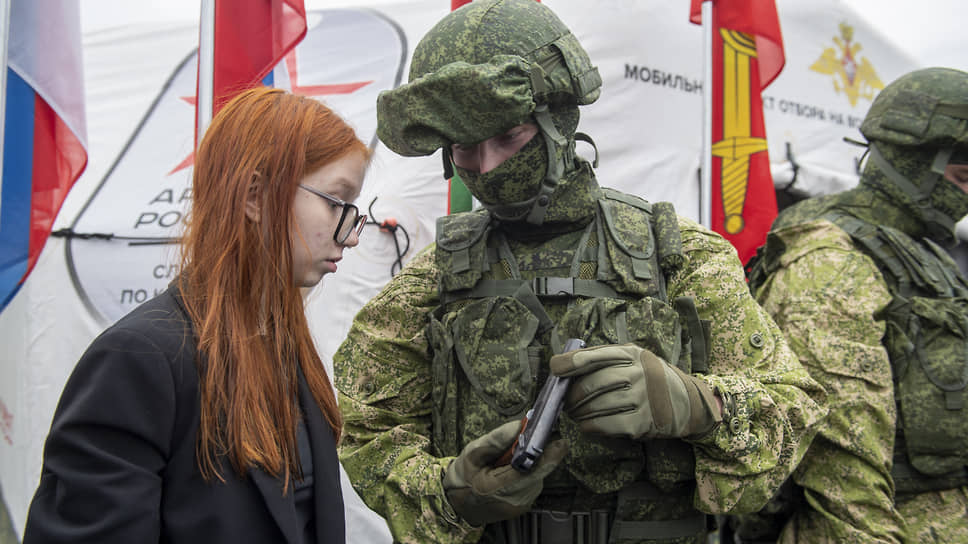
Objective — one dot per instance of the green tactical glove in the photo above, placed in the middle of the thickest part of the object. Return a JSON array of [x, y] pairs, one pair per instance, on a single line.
[[630, 392], [482, 493]]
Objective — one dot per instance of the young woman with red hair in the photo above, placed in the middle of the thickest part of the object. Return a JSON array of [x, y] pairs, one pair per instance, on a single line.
[[206, 415]]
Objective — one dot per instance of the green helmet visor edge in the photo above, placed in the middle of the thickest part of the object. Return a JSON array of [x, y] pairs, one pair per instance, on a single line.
[[459, 103]]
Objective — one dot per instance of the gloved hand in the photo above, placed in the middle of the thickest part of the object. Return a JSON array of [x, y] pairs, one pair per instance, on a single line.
[[628, 391], [482, 493]]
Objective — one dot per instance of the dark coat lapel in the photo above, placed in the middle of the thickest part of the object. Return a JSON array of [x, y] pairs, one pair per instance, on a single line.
[[280, 507], [327, 494]]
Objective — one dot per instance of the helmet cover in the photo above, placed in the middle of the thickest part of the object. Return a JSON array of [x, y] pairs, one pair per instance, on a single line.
[[481, 70]]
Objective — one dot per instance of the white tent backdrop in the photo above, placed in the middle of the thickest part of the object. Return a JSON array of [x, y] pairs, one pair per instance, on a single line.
[[646, 126]]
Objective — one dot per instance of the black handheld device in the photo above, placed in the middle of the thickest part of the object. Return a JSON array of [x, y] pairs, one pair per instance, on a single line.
[[541, 418]]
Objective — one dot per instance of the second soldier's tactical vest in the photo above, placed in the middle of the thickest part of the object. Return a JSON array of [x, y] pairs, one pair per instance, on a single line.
[[927, 342], [507, 305]]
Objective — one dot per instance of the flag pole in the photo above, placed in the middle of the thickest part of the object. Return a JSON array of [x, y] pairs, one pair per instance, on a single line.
[[206, 69], [459, 199], [4, 41], [706, 168]]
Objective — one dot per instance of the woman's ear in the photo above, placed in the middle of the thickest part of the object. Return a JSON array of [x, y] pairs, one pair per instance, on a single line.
[[253, 198]]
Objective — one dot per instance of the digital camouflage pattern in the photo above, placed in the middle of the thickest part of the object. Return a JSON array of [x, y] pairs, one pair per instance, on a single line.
[[923, 108], [515, 180], [471, 77], [428, 368], [825, 296], [914, 126], [441, 108], [834, 297], [487, 351], [935, 516], [483, 69], [478, 31], [385, 382]]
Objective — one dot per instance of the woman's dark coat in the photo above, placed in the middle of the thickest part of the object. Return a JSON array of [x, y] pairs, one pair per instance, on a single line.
[[120, 463]]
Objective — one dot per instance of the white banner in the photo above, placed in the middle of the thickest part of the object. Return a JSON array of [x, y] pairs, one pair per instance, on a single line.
[[646, 126]]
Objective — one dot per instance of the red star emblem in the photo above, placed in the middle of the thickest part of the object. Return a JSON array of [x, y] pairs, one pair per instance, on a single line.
[[304, 90]]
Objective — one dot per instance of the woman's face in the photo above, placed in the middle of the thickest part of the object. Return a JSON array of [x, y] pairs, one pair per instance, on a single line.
[[315, 252]]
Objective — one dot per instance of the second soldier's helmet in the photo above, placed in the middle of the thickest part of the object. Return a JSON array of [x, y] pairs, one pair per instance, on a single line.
[[482, 70], [916, 126]]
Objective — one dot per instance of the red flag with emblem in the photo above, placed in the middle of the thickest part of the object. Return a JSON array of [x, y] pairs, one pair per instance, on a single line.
[[747, 55], [250, 38]]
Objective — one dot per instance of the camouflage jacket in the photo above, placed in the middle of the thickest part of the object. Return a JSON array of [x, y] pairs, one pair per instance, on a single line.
[[383, 375], [829, 298], [824, 298]]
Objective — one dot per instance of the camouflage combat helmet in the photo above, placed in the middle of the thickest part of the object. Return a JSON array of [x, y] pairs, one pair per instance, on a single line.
[[916, 126], [482, 70]]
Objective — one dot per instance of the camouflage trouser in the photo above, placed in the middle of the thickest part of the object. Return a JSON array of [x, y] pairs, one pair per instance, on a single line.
[[7, 534], [936, 516]]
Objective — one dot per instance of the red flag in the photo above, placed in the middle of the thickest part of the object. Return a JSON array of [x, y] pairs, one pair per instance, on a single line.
[[251, 37], [747, 56]]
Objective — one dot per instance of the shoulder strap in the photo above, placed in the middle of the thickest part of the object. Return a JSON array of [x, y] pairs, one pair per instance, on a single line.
[[873, 241]]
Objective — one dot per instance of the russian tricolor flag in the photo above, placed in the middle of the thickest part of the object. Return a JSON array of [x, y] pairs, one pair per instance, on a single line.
[[44, 131]]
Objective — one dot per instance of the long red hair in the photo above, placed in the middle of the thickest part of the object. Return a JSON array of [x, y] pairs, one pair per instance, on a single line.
[[237, 278]]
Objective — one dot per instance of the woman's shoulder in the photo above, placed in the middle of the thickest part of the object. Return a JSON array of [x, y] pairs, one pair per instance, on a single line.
[[159, 328]]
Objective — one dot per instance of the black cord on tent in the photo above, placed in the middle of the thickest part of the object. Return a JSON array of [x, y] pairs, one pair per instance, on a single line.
[[390, 225], [793, 164], [132, 240], [787, 196]]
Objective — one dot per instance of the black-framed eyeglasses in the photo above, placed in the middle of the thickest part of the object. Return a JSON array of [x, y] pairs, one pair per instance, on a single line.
[[350, 220]]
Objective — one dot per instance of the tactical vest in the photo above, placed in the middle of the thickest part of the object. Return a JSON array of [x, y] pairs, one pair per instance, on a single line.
[[927, 343], [507, 306]]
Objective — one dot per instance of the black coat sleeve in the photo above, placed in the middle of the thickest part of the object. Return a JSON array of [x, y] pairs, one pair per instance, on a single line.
[[108, 445]]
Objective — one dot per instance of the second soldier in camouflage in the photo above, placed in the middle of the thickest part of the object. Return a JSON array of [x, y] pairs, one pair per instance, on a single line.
[[878, 313]]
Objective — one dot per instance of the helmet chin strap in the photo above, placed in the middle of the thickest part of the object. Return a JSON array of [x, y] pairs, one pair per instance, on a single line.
[[553, 140], [556, 166]]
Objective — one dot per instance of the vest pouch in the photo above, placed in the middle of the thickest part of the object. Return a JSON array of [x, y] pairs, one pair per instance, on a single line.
[[647, 322], [655, 325], [931, 385], [497, 359], [607, 464]]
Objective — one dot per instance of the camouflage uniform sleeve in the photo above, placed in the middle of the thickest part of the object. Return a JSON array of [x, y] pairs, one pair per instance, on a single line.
[[771, 405], [383, 376], [824, 297]]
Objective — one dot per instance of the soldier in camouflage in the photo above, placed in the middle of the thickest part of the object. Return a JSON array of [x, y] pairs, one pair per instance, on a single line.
[[687, 400], [878, 313]]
